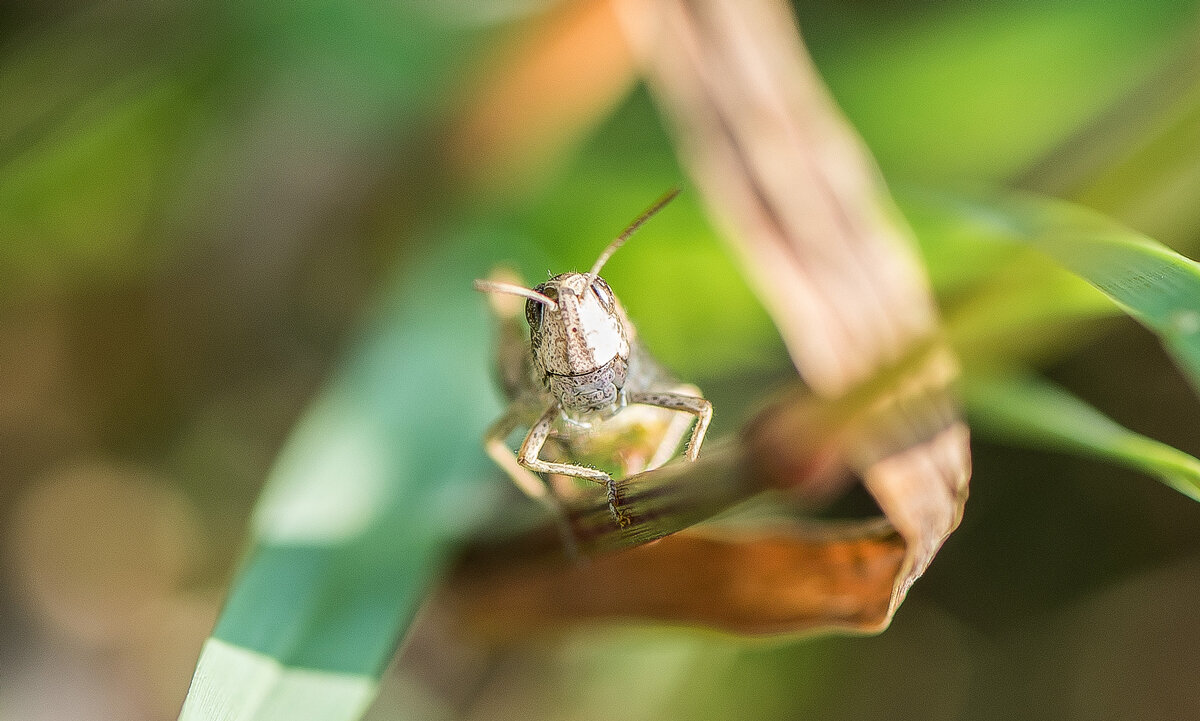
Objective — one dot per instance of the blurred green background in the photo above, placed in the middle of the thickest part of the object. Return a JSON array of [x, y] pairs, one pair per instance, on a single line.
[[211, 211]]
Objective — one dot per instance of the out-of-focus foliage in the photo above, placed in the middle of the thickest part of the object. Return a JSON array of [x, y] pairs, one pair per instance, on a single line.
[[970, 92], [201, 202]]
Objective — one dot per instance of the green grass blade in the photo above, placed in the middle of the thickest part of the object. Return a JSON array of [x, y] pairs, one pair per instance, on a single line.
[[1032, 412], [1152, 283], [373, 488]]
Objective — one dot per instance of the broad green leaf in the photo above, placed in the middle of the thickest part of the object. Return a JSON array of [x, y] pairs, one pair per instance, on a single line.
[[1032, 412], [373, 488]]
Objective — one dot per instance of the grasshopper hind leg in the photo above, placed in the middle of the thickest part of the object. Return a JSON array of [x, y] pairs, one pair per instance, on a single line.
[[677, 428], [685, 399]]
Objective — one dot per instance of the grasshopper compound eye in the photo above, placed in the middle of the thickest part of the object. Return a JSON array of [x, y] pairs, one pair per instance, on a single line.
[[535, 307], [533, 314], [604, 294]]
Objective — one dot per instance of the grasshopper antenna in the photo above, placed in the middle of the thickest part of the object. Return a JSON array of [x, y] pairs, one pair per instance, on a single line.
[[638, 222], [492, 286]]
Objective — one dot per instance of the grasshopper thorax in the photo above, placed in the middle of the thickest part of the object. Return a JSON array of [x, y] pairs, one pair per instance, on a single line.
[[580, 344]]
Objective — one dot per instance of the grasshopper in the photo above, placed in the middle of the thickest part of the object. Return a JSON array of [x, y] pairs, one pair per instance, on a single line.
[[584, 386]]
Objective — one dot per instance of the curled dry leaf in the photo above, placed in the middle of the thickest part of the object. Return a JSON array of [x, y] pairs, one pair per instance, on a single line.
[[774, 581], [801, 201]]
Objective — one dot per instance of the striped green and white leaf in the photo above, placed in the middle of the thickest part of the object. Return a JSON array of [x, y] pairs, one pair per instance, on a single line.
[[378, 482]]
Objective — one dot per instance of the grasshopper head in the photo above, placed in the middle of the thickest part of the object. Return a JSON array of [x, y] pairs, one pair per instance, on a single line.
[[583, 331]]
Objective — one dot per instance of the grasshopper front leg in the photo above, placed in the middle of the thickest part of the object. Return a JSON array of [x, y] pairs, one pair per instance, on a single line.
[[695, 405], [528, 458], [532, 486]]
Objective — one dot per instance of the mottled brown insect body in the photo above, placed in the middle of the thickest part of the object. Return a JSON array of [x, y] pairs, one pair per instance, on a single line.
[[585, 387]]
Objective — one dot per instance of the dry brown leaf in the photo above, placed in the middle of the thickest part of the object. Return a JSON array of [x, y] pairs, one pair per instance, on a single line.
[[769, 581]]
